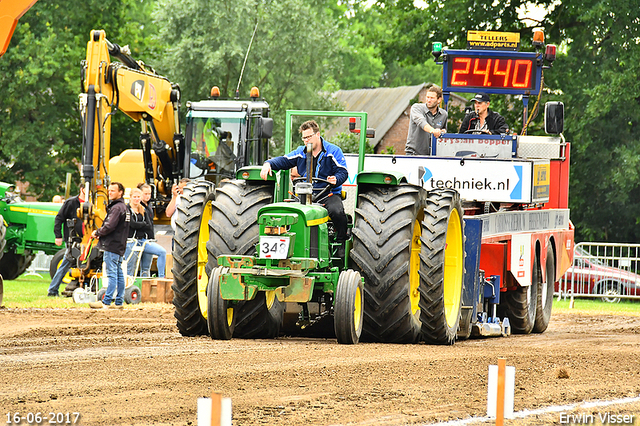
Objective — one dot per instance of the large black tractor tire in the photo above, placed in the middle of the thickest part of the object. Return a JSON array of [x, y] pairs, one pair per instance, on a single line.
[[13, 265], [260, 318], [234, 229], [519, 305], [545, 294], [441, 267], [348, 305], [386, 249], [189, 316]]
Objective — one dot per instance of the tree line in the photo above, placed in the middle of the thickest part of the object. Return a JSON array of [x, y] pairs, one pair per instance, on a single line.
[[305, 49]]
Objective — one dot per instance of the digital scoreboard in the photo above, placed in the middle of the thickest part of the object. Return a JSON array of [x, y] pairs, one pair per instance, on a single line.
[[506, 72]]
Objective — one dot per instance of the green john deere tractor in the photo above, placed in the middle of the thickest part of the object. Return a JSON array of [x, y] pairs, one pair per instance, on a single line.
[[263, 256], [29, 229]]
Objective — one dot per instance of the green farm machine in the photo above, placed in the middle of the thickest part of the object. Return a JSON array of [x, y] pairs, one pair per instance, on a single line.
[[29, 229], [264, 255]]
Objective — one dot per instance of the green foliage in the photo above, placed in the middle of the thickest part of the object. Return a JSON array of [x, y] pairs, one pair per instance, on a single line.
[[292, 54], [598, 79], [40, 135], [350, 143]]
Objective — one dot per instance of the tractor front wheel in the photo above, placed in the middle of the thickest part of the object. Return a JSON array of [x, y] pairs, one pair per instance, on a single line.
[[233, 230], [348, 305], [220, 313]]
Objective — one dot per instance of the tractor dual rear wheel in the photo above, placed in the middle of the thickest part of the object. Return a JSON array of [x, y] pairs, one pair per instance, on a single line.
[[187, 257], [386, 247], [348, 305], [441, 267], [234, 230]]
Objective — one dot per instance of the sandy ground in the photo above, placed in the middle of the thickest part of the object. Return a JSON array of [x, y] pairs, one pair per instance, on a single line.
[[131, 367]]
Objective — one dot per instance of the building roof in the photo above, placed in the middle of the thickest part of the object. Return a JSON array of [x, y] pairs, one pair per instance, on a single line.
[[383, 105]]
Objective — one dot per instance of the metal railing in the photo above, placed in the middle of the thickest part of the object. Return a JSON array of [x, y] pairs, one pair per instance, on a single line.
[[609, 271], [39, 265]]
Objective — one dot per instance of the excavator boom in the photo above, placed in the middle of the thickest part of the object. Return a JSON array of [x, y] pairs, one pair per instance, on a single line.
[[10, 12]]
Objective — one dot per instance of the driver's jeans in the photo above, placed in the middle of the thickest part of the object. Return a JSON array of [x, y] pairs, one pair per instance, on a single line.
[[336, 212]]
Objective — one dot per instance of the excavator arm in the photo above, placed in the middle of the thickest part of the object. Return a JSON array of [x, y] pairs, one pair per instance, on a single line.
[[10, 12], [139, 92], [146, 97]]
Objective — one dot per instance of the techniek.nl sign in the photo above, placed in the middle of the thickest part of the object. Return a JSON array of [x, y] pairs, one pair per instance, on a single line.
[[475, 179]]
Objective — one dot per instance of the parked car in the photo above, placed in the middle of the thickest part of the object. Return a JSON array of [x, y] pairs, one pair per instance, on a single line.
[[592, 275]]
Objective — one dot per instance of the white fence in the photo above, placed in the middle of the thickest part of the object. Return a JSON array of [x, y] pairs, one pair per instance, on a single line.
[[40, 265], [608, 271]]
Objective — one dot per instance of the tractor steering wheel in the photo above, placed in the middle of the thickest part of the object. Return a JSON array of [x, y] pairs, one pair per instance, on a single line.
[[321, 195]]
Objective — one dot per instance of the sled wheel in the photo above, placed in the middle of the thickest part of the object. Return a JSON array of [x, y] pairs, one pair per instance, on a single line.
[[545, 293], [519, 305]]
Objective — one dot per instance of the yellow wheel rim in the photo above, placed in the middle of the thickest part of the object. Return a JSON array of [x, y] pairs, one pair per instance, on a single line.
[[203, 238], [414, 268], [270, 298], [229, 316], [357, 308], [453, 269]]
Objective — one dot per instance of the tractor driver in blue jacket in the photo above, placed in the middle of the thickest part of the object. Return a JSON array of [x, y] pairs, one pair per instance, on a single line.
[[328, 164]]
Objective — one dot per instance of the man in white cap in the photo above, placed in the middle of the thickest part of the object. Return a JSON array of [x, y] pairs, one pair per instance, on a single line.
[[482, 119]]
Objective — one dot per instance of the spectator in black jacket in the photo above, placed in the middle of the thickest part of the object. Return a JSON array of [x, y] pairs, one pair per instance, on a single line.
[[140, 231], [68, 211], [482, 119], [146, 202], [112, 240]]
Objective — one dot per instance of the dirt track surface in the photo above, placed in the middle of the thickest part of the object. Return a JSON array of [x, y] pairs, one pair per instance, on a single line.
[[132, 367]]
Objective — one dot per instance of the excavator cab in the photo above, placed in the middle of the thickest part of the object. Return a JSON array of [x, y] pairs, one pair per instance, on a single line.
[[225, 135]]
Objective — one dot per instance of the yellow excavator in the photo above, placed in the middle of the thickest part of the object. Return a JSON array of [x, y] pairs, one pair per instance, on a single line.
[[222, 135], [139, 92]]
